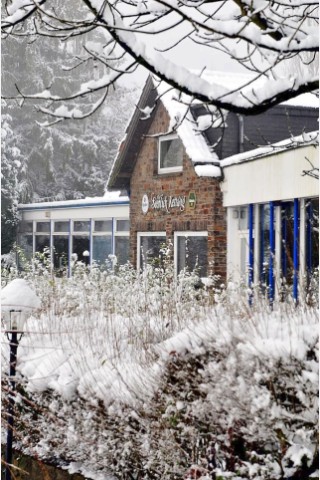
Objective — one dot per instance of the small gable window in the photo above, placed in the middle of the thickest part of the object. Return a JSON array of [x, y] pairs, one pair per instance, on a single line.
[[170, 155]]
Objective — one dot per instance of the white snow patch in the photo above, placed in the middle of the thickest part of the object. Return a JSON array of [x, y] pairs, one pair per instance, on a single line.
[[18, 295]]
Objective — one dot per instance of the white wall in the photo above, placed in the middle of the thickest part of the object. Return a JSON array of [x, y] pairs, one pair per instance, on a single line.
[[83, 213], [274, 177]]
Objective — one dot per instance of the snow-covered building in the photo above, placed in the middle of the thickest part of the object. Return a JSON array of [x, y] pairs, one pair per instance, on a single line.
[[185, 186], [89, 230], [272, 203]]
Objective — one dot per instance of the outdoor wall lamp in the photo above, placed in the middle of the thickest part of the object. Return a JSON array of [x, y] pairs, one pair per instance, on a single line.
[[18, 300]]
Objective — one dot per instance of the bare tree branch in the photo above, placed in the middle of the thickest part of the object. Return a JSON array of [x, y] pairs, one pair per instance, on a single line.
[[312, 172], [263, 37]]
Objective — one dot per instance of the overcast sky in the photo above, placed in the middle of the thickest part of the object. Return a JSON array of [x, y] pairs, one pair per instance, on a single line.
[[189, 55]]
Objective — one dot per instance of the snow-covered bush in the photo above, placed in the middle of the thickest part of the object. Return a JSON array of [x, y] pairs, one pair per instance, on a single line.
[[146, 377]]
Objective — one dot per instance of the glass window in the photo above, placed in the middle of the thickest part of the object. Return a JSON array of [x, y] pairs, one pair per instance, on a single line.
[[26, 243], [61, 226], [26, 227], [170, 154], [123, 225], [81, 226], [102, 248], [42, 242], [43, 227], [264, 244], [81, 247], [122, 250], [265, 248], [312, 235], [103, 226], [243, 218], [287, 241], [150, 249], [192, 253], [61, 251], [243, 256]]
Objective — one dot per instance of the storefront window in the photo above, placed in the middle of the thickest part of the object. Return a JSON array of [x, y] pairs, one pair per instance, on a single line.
[[170, 154], [192, 252], [265, 247], [243, 218], [26, 244], [122, 249], [81, 226], [81, 247], [61, 227], [60, 251], [42, 242], [103, 226], [312, 235], [26, 227], [287, 236], [149, 248], [123, 225], [102, 248], [43, 227], [243, 256]]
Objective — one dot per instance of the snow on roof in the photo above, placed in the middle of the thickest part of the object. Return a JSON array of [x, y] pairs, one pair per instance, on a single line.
[[207, 171], [311, 138], [194, 142], [108, 198], [202, 155], [18, 295]]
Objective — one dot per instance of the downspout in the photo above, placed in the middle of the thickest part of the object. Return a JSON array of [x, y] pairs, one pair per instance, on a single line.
[[241, 133]]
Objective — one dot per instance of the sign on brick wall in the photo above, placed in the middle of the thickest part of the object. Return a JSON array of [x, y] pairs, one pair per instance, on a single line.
[[165, 203]]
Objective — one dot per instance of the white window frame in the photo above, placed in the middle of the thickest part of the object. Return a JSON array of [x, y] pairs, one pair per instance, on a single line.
[[161, 140], [186, 234], [238, 266], [146, 234]]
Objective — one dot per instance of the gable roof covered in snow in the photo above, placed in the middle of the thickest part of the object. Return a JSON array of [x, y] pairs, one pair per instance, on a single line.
[[206, 139]]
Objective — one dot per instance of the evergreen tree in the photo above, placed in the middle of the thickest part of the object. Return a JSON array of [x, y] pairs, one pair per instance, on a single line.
[[70, 159], [14, 183]]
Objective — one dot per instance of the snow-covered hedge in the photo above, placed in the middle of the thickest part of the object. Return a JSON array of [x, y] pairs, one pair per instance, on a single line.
[[144, 377]]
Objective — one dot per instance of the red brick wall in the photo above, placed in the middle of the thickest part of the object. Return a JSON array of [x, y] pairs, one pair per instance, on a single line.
[[208, 214]]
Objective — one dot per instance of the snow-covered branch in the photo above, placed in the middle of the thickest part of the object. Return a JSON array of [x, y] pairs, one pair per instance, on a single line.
[[266, 38]]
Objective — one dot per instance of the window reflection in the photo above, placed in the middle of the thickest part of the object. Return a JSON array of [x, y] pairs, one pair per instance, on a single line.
[[192, 254], [101, 249], [60, 251], [150, 250]]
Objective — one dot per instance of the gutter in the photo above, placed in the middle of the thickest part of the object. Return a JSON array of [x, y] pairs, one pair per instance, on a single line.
[[64, 206]]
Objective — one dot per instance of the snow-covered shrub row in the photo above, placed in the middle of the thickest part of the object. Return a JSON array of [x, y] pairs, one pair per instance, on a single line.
[[145, 377]]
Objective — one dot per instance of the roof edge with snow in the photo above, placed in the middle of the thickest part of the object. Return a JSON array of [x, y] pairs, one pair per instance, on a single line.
[[205, 160], [306, 139], [181, 122]]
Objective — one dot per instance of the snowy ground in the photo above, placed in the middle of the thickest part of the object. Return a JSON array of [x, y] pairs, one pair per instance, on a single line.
[[121, 374]]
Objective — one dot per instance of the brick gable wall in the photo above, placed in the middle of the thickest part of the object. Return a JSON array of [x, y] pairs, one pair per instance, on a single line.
[[208, 214]]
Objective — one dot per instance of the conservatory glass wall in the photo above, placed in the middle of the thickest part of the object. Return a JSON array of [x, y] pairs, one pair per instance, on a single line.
[[86, 241], [276, 244]]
